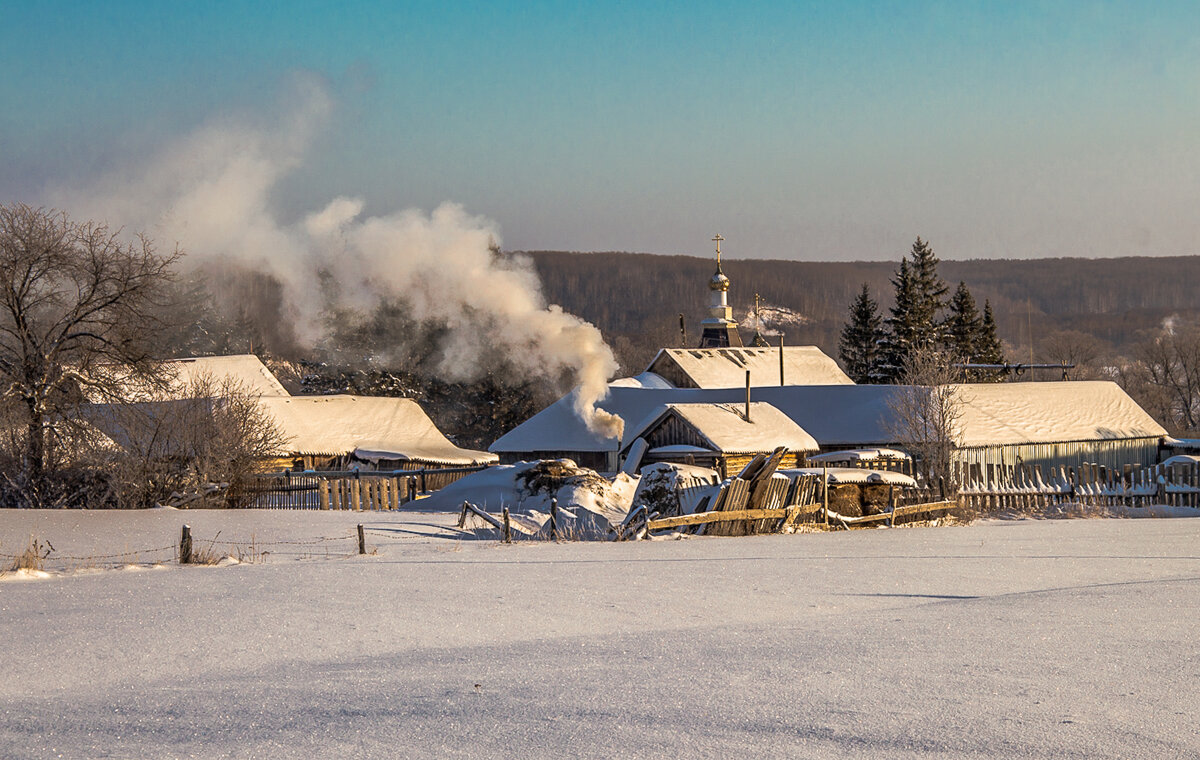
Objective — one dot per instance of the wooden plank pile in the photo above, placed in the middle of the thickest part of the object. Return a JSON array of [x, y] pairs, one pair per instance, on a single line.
[[754, 502]]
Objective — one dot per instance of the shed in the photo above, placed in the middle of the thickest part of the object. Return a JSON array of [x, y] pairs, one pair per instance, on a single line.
[[727, 367], [718, 435]]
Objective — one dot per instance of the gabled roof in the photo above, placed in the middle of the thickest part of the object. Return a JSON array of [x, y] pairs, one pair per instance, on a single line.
[[726, 367], [247, 370], [1048, 412], [371, 426], [725, 429], [854, 416]]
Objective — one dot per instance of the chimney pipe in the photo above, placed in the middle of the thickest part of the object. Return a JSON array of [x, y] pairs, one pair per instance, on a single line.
[[781, 359], [747, 395]]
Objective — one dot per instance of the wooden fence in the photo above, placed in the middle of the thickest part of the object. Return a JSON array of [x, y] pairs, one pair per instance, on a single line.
[[1089, 485], [354, 489]]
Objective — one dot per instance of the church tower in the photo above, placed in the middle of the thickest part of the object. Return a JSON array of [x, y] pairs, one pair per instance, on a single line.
[[719, 330]]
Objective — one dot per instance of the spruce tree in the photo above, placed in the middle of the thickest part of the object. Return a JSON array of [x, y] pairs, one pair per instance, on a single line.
[[861, 346], [990, 350], [962, 331], [930, 291], [903, 331]]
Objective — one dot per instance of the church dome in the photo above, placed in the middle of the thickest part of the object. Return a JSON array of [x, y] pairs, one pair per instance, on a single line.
[[719, 281]]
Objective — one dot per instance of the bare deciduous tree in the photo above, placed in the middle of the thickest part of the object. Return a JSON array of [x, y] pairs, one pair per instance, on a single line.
[[1164, 377], [74, 299], [926, 413], [1085, 351], [203, 443]]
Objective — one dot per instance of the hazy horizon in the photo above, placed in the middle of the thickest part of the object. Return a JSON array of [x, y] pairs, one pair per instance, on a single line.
[[799, 131]]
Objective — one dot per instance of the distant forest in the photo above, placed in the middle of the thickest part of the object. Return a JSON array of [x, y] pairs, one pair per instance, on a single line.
[[635, 299]]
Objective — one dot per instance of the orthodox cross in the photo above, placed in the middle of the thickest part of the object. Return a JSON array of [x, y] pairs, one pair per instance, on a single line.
[[718, 240]]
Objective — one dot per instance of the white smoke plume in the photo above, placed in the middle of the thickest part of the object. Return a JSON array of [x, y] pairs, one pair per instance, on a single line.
[[210, 193]]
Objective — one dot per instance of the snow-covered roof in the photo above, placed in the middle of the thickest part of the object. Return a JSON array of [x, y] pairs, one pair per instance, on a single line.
[[646, 379], [726, 367], [246, 370], [854, 416], [858, 455], [725, 429], [1181, 459], [371, 426], [848, 475], [1005, 413]]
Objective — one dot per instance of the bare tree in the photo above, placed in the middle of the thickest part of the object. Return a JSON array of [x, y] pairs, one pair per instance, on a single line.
[[1085, 351], [1164, 377], [203, 442], [926, 413], [76, 315]]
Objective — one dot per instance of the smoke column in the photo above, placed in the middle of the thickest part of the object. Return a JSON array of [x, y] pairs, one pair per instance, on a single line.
[[210, 193]]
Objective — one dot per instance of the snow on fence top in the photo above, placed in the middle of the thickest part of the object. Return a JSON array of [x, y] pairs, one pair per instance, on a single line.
[[855, 416], [372, 427], [726, 367]]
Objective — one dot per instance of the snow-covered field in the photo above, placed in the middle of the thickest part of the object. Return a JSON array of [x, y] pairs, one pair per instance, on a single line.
[[1064, 638]]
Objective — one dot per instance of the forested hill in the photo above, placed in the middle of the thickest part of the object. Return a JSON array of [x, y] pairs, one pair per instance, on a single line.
[[635, 299]]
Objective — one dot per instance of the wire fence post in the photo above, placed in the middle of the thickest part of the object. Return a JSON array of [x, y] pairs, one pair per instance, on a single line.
[[554, 519], [362, 540], [185, 545]]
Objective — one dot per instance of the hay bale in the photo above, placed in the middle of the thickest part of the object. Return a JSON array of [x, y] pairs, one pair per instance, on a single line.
[[846, 499], [876, 499]]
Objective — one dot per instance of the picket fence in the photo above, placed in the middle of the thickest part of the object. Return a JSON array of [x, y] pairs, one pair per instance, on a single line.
[[1089, 485], [354, 489]]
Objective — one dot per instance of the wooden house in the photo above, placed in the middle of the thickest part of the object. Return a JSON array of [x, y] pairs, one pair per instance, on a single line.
[[722, 437]]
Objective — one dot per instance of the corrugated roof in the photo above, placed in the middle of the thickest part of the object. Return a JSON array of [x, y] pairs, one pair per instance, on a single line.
[[725, 428], [726, 367], [854, 416], [377, 427]]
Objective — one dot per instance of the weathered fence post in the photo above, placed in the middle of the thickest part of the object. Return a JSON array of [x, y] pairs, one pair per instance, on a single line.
[[324, 491], [506, 533], [185, 545], [554, 519], [825, 494]]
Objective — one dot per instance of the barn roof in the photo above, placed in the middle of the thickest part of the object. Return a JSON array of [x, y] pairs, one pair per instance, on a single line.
[[373, 427], [724, 427], [854, 416], [726, 367]]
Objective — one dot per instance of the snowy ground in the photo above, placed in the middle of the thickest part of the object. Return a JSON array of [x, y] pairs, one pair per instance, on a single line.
[[1066, 638]]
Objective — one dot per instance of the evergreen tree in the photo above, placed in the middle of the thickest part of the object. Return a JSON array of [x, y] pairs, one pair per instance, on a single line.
[[903, 332], [861, 344], [930, 291], [913, 324], [962, 332], [990, 350]]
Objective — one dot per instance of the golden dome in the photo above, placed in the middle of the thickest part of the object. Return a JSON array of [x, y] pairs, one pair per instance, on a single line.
[[719, 281]]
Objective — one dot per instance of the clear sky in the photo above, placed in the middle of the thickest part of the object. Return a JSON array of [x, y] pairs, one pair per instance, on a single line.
[[812, 131]]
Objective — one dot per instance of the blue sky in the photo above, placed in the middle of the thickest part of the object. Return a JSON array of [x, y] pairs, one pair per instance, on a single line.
[[811, 131]]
